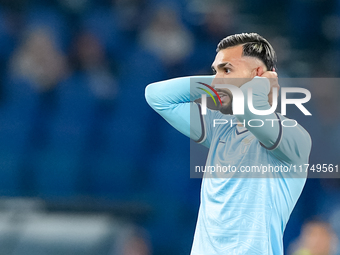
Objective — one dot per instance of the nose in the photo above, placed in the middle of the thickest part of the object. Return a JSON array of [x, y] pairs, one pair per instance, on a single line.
[[214, 81], [217, 79]]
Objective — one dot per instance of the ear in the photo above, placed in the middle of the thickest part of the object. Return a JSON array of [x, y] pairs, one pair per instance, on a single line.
[[259, 71]]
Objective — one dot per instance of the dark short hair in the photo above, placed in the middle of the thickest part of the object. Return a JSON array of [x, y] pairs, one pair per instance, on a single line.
[[254, 45]]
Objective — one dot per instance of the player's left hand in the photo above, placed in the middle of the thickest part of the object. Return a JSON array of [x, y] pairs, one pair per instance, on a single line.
[[274, 83]]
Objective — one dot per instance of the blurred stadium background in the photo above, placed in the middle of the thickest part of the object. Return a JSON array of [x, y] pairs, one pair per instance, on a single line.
[[86, 167]]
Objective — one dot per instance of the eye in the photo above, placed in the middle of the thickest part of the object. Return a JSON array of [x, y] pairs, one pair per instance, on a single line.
[[214, 71], [227, 70]]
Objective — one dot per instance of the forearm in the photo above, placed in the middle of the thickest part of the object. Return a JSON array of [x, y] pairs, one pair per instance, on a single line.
[[173, 100], [268, 133]]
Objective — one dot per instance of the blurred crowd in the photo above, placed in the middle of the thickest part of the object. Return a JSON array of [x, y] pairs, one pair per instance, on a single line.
[[74, 121]]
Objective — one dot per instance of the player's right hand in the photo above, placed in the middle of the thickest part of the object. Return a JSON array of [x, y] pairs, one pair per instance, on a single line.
[[274, 83]]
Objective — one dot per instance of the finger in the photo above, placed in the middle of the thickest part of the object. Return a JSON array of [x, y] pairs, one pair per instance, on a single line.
[[269, 74]]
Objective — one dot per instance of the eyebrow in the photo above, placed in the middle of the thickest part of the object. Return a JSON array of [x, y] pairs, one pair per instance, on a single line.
[[219, 66]]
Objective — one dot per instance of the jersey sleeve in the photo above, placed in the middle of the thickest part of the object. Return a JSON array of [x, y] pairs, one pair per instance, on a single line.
[[208, 125], [294, 144], [174, 100], [290, 143]]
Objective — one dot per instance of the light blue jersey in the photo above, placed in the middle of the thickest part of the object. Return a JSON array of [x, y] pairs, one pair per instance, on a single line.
[[239, 212]]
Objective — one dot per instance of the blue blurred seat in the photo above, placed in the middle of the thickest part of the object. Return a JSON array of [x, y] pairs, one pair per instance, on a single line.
[[57, 166], [16, 115]]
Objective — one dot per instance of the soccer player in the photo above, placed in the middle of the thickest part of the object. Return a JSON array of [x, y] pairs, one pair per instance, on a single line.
[[239, 215]]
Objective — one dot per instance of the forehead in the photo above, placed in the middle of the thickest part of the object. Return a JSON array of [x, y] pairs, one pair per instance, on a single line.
[[232, 55]]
